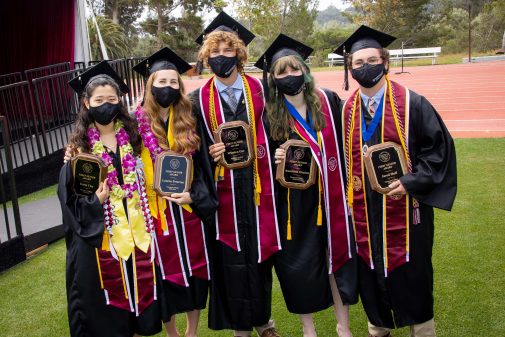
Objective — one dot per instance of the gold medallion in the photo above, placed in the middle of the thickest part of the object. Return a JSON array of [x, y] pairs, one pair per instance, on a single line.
[[356, 183]]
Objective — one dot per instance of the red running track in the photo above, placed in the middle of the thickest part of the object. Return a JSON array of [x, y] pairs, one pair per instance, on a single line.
[[469, 97]]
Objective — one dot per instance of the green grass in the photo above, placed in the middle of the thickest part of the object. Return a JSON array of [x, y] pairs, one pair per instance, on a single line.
[[469, 262], [39, 195]]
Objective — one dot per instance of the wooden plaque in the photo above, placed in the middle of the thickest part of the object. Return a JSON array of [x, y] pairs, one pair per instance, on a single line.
[[298, 170], [173, 173], [384, 163], [88, 171], [237, 139]]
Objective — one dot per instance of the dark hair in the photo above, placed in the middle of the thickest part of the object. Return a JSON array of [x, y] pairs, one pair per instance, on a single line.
[[79, 137], [384, 54], [279, 118]]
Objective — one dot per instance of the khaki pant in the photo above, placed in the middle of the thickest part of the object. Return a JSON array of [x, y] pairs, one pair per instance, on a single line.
[[259, 329], [426, 329]]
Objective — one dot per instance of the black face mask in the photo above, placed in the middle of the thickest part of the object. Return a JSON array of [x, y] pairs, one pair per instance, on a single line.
[[104, 114], [222, 66], [369, 75], [166, 95], [290, 85]]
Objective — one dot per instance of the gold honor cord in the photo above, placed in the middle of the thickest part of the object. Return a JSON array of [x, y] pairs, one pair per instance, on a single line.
[[350, 179], [402, 136], [250, 110]]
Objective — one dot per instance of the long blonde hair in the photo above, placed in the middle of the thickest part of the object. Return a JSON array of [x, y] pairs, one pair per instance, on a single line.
[[184, 123]]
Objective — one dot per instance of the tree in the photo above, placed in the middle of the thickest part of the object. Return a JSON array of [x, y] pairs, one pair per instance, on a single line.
[[268, 18], [176, 31], [113, 37]]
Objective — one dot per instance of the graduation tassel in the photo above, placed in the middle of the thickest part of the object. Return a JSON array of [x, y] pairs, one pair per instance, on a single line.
[[346, 72], [289, 217], [265, 79], [219, 173], [319, 208]]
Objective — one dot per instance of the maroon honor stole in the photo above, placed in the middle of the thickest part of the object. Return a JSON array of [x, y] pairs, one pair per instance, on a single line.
[[226, 217], [325, 151], [114, 280], [395, 210], [167, 243]]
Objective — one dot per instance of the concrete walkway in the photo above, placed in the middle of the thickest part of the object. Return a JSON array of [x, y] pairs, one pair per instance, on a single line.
[[35, 217]]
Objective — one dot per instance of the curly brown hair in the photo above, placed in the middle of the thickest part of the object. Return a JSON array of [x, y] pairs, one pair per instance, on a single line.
[[281, 122], [184, 128], [212, 41], [79, 138]]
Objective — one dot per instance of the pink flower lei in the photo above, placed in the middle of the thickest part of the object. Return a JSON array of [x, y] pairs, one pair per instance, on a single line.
[[148, 137], [128, 161]]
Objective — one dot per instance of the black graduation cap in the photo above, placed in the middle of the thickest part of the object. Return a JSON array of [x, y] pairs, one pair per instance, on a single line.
[[102, 69], [163, 59], [363, 37], [224, 22], [282, 46]]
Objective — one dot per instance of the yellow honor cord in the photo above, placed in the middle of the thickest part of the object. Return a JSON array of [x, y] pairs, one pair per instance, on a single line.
[[320, 187], [123, 278], [214, 125], [350, 187], [288, 230], [99, 269], [404, 146]]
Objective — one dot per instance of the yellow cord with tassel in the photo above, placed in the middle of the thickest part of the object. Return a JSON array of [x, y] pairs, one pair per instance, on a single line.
[[289, 237]]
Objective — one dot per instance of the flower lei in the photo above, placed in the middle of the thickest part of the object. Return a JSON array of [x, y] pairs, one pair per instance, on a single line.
[[148, 137], [129, 165], [128, 161]]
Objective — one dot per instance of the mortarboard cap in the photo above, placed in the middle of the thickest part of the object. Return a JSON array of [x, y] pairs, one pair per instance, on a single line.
[[282, 46], [364, 37], [224, 22], [163, 59], [102, 69]]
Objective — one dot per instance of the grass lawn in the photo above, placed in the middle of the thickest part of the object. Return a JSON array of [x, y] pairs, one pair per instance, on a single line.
[[469, 262]]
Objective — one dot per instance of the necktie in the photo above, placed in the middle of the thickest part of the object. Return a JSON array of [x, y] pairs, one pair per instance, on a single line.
[[371, 107], [232, 99]]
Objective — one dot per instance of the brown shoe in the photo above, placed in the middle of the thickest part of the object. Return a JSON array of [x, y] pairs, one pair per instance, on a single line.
[[270, 332], [388, 335]]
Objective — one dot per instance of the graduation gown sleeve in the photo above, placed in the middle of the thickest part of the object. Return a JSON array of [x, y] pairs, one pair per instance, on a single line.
[[82, 216], [203, 192], [433, 180]]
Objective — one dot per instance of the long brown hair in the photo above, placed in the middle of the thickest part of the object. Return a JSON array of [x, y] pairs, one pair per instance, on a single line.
[[79, 137], [184, 128], [281, 122]]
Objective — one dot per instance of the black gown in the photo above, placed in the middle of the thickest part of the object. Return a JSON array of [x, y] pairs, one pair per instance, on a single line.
[[405, 296], [302, 264], [241, 288], [175, 298], [88, 313]]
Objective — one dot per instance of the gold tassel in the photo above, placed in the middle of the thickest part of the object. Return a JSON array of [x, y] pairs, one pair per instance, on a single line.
[[289, 237], [105, 241], [319, 208]]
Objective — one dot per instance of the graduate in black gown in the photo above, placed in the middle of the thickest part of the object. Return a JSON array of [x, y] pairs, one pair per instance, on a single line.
[[166, 122], [241, 284], [297, 110], [394, 231], [110, 277]]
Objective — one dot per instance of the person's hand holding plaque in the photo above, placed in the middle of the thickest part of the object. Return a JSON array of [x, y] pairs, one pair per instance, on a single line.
[[88, 172], [385, 164], [173, 174], [180, 198], [296, 167], [216, 151], [103, 191], [237, 140]]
